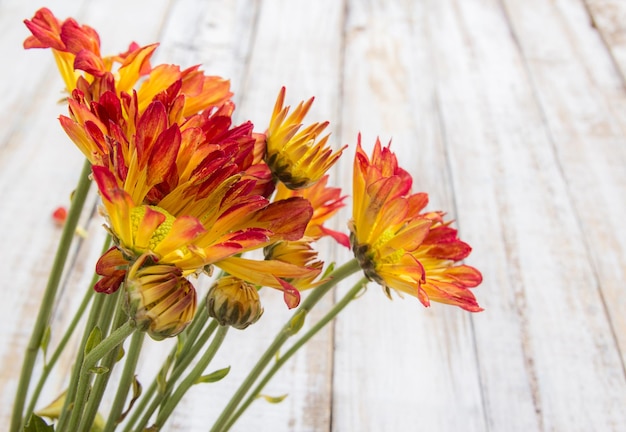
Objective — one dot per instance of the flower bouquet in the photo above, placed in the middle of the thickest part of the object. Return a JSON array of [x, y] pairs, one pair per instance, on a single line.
[[187, 194]]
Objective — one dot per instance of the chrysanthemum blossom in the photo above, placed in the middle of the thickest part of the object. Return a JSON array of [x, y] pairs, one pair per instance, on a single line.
[[400, 247], [76, 49], [326, 202], [298, 158]]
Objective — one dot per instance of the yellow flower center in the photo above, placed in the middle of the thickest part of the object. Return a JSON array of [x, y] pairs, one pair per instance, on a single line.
[[137, 216]]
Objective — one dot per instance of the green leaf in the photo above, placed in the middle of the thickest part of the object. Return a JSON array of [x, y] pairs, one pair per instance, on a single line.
[[329, 269], [99, 370], [214, 376], [161, 377], [45, 340], [137, 390], [95, 337], [37, 424], [296, 323], [120, 353], [274, 399]]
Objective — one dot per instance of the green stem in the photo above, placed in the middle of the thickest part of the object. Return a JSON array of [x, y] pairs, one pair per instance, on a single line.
[[66, 337], [97, 391], [338, 307], [57, 352], [176, 373], [192, 378], [139, 408], [86, 370], [48, 300], [192, 332], [102, 306], [125, 380], [286, 332], [187, 339]]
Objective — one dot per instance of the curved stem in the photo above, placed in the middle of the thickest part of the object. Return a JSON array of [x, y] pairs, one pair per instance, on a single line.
[[338, 307], [193, 376], [286, 332], [48, 300], [125, 380], [97, 353]]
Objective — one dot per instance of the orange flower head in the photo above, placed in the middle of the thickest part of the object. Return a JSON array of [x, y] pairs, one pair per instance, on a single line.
[[301, 254], [65, 38], [145, 230], [326, 202], [76, 49], [296, 157], [397, 245]]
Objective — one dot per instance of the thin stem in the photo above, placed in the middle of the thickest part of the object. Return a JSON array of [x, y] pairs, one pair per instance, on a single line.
[[97, 353], [108, 362], [103, 305], [97, 306], [66, 337], [49, 296], [286, 332], [132, 356], [58, 351], [147, 395], [190, 335], [193, 376], [338, 307], [192, 332], [176, 373]]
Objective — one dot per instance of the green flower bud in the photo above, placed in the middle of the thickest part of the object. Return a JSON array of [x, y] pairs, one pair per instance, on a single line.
[[234, 302], [159, 299]]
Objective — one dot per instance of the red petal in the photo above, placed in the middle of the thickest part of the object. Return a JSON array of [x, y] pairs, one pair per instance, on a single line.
[[112, 266], [339, 237], [46, 30], [290, 294]]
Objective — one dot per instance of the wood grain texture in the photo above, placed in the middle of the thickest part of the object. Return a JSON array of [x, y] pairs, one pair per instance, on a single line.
[[609, 18], [512, 115]]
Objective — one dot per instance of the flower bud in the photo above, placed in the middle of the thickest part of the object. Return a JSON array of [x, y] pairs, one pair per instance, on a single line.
[[159, 299], [234, 302]]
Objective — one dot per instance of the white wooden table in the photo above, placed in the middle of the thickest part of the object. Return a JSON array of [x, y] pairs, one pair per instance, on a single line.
[[511, 114]]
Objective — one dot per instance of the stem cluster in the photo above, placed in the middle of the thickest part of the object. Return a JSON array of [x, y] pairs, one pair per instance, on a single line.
[[101, 347]]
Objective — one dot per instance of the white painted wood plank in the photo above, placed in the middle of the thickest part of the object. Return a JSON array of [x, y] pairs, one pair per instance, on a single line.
[[587, 126], [408, 364], [609, 18], [502, 157]]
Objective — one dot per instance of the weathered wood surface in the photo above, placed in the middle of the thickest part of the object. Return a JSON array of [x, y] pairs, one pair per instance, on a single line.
[[512, 115]]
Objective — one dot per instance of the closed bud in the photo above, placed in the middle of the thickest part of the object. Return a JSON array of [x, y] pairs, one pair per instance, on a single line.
[[234, 302], [159, 299]]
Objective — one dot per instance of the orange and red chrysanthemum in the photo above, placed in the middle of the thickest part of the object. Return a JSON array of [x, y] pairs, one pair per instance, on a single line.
[[399, 246], [183, 188], [326, 202], [298, 158], [76, 49]]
